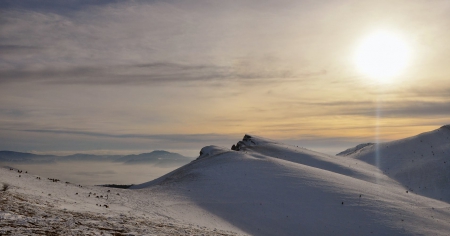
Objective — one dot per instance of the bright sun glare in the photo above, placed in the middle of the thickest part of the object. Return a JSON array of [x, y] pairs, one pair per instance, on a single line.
[[382, 55]]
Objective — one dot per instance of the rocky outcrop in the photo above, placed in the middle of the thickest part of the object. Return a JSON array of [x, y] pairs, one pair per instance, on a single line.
[[240, 144]]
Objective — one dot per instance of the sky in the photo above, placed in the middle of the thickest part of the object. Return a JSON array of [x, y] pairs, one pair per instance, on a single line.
[[123, 77]]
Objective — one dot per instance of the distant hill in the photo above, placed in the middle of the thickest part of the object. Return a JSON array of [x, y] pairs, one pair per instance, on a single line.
[[158, 157], [89, 157], [11, 156]]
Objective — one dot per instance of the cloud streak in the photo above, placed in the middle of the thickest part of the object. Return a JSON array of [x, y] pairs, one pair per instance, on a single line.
[[17, 49], [280, 69], [392, 109], [193, 138], [137, 43], [138, 74], [124, 74], [51, 5]]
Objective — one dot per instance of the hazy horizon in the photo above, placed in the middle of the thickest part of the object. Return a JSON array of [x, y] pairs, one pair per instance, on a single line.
[[95, 173]]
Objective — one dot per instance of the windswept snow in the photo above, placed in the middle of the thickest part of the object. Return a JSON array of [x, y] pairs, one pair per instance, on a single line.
[[420, 163], [267, 188], [260, 188], [354, 149], [33, 206]]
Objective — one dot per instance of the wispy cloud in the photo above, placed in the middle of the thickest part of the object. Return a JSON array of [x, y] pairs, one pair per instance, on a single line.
[[91, 71], [391, 108], [139, 43], [51, 5], [17, 49], [150, 73], [369, 108], [194, 138], [122, 74]]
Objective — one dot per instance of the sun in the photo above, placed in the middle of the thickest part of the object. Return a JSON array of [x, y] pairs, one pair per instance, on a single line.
[[382, 56]]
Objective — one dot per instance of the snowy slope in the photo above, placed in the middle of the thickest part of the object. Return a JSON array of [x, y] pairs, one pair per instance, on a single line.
[[420, 163], [264, 188], [33, 206], [267, 188]]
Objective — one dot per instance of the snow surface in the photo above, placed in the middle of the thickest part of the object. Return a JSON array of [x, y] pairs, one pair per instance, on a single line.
[[420, 163], [265, 188], [268, 188], [34, 206]]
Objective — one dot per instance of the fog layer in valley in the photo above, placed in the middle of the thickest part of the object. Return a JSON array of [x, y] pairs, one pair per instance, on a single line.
[[95, 173]]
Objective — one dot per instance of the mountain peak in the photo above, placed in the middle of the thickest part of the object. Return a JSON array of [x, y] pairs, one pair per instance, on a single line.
[[354, 149], [446, 127]]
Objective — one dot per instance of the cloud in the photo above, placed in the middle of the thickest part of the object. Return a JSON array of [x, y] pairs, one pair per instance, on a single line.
[[17, 49], [123, 74], [138, 74], [54, 6], [13, 113], [440, 89], [140, 43], [393, 109], [190, 138], [192, 66], [416, 109]]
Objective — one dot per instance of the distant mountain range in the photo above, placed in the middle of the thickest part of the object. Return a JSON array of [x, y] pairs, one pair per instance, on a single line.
[[158, 157], [10, 156]]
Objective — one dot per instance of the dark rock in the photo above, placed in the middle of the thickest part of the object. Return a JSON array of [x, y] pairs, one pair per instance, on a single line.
[[446, 127]]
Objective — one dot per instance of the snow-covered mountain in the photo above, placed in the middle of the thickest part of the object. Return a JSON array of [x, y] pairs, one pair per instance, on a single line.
[[420, 163], [261, 187], [267, 188]]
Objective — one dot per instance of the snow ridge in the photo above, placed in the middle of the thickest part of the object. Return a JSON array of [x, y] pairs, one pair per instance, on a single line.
[[352, 150], [267, 188], [420, 163], [262, 187], [446, 127]]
